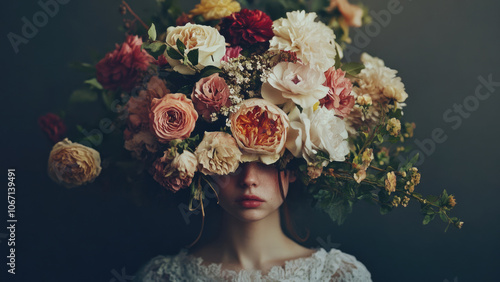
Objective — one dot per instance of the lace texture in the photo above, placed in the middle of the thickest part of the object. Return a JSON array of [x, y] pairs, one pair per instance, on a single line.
[[320, 266]]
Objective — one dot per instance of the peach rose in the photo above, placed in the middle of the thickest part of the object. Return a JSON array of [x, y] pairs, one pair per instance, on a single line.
[[260, 129], [72, 164], [209, 95], [352, 14], [172, 117], [218, 153]]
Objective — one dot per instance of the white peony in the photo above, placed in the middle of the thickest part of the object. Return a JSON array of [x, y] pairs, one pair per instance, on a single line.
[[210, 44], [313, 42], [317, 130], [294, 81]]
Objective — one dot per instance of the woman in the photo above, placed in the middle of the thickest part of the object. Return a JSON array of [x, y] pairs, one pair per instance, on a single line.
[[251, 245]]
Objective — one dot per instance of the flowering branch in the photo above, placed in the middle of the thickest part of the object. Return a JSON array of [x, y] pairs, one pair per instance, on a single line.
[[135, 15]]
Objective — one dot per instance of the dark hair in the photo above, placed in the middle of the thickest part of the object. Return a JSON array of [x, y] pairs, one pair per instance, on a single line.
[[295, 191]]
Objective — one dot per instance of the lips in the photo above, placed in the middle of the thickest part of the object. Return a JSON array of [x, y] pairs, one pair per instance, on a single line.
[[250, 201]]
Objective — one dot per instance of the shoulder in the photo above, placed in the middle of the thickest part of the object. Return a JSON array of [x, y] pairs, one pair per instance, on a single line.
[[340, 266], [163, 268]]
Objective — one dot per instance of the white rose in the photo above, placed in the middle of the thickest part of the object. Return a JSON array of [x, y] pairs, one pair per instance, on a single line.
[[312, 41], [210, 44], [317, 130], [294, 81]]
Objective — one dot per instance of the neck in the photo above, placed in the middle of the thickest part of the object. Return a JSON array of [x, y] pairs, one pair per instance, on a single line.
[[252, 245]]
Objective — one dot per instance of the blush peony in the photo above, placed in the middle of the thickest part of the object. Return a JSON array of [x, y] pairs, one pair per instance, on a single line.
[[296, 82], [339, 96], [218, 154], [122, 67], [209, 95], [210, 44], [260, 129], [72, 164], [172, 117], [247, 27]]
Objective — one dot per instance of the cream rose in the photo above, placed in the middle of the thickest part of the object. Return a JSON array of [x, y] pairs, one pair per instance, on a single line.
[[210, 44], [260, 129], [297, 82], [218, 153], [317, 130], [72, 164], [172, 117]]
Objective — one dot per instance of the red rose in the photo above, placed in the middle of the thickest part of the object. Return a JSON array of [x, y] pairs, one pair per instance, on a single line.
[[122, 67], [53, 126], [339, 96], [247, 27]]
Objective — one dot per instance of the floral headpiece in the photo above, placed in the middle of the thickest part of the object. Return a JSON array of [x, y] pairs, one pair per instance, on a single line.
[[226, 85]]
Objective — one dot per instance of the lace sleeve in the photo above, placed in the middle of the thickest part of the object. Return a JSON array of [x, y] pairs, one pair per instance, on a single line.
[[348, 268], [154, 271]]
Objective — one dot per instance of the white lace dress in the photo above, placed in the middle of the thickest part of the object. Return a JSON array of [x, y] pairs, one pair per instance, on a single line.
[[320, 266]]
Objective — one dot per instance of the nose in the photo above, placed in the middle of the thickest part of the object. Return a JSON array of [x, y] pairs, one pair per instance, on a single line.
[[249, 175]]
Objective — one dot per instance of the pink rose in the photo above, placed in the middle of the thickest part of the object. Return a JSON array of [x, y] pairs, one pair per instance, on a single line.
[[138, 107], [339, 96], [122, 67], [174, 171], [172, 117], [260, 129], [209, 95]]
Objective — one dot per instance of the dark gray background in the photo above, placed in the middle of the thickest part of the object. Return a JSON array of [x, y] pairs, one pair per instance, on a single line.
[[439, 47]]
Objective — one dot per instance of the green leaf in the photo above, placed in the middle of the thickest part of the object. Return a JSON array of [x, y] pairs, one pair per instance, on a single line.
[[385, 209], [180, 46], [174, 54], [186, 89], [443, 217], [83, 96], [209, 70], [154, 46], [427, 219], [93, 82], [352, 68], [84, 67], [337, 58], [152, 32], [193, 56]]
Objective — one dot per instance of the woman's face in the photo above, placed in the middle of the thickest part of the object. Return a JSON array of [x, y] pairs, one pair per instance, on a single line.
[[252, 192]]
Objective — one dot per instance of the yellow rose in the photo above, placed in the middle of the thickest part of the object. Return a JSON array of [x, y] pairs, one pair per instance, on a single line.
[[72, 164], [216, 9]]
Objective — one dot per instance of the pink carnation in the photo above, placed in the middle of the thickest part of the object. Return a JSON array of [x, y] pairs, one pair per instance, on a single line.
[[209, 95], [122, 67], [339, 96], [231, 52]]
